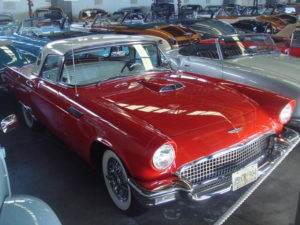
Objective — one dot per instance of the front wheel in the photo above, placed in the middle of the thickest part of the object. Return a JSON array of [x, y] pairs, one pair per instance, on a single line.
[[116, 181]]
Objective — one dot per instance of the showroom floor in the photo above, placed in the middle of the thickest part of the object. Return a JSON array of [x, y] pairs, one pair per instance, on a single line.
[[41, 165]]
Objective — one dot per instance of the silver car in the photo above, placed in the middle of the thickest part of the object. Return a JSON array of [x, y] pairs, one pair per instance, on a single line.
[[249, 59]]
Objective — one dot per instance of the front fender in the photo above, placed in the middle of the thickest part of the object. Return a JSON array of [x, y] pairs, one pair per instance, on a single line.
[[27, 210]]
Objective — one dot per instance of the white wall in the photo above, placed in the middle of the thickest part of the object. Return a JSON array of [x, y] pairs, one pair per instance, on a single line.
[[19, 8]]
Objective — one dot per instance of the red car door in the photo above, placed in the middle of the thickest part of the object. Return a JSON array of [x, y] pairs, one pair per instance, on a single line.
[[44, 99]]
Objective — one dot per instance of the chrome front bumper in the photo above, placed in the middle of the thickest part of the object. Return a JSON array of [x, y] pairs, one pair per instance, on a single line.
[[183, 189]]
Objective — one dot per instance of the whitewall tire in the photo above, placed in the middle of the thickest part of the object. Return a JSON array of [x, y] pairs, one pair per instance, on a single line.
[[116, 178]]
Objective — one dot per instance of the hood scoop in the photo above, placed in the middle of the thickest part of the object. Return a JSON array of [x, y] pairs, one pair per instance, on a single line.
[[162, 85], [171, 87]]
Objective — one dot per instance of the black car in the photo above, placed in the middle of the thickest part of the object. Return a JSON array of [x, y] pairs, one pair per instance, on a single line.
[[163, 10], [190, 11], [255, 26]]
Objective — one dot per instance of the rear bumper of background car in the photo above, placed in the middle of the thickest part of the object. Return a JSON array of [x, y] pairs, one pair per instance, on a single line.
[[183, 189]]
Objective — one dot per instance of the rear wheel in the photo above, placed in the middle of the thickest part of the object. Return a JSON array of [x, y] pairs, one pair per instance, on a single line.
[[116, 181]]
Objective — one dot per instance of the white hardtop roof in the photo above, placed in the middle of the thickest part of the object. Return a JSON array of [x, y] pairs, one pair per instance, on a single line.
[[61, 47]]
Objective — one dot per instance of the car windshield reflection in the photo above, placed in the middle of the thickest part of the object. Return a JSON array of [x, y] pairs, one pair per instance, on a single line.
[[109, 63], [245, 45]]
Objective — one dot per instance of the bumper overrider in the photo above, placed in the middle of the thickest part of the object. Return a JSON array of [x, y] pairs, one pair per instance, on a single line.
[[223, 185]]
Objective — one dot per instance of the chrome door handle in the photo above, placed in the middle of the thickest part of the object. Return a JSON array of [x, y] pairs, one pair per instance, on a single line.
[[30, 83]]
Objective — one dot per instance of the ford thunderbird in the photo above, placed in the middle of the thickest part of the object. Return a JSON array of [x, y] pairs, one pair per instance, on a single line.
[[250, 59], [155, 134]]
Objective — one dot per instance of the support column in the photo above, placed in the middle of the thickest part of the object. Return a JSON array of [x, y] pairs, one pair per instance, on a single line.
[[66, 6]]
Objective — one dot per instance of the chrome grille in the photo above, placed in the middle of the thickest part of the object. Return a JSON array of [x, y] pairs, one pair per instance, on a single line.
[[226, 162]]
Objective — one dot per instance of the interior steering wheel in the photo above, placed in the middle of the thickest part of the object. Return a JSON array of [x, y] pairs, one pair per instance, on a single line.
[[130, 65]]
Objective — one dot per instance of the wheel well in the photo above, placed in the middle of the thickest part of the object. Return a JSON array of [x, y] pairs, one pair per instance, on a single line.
[[96, 154]]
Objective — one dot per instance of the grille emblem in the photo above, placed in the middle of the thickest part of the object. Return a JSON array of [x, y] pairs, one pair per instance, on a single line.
[[236, 130]]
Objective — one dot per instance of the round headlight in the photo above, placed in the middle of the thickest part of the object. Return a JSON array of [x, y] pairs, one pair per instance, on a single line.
[[163, 157], [286, 113]]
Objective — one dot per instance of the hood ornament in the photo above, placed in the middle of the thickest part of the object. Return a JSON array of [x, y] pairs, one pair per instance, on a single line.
[[236, 130]]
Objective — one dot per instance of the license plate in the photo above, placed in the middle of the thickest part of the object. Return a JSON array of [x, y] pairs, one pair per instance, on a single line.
[[244, 177]]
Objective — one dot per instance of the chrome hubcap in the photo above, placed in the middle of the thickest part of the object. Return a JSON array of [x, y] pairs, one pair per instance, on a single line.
[[117, 179]]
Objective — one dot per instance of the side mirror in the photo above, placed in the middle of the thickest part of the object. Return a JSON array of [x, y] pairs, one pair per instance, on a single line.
[[174, 63], [9, 123]]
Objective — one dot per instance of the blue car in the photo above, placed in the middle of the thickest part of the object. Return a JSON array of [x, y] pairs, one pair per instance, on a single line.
[[33, 34], [24, 45]]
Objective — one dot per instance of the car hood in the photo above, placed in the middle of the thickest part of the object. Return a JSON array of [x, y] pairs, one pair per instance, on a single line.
[[277, 73], [196, 104], [274, 66]]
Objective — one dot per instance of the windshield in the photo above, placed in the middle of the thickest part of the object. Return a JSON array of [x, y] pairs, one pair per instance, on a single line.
[[112, 62], [235, 46], [91, 14], [55, 14], [38, 27]]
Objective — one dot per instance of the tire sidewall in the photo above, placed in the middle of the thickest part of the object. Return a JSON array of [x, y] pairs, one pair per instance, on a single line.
[[124, 206]]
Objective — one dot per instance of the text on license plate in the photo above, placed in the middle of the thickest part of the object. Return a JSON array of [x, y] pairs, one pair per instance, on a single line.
[[244, 177]]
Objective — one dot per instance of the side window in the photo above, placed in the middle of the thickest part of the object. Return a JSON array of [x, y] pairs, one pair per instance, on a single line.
[[51, 68]]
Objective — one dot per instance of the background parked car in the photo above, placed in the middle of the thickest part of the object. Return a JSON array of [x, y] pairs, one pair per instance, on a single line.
[[168, 36], [7, 24], [250, 59], [288, 40], [209, 11], [33, 34], [190, 11], [54, 13], [209, 28], [254, 26]]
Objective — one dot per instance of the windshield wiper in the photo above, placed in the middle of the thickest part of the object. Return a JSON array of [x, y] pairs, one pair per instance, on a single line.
[[158, 70], [114, 78]]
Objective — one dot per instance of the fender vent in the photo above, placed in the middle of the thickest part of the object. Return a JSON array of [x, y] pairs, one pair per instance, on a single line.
[[171, 87]]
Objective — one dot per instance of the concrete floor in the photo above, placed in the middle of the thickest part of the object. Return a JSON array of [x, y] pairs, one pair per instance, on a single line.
[[41, 165]]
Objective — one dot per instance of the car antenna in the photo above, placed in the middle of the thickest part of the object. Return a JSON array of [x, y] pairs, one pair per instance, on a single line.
[[73, 61]]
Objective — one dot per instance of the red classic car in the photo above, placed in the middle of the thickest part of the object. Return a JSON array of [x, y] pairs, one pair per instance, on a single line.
[[156, 134], [288, 40]]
